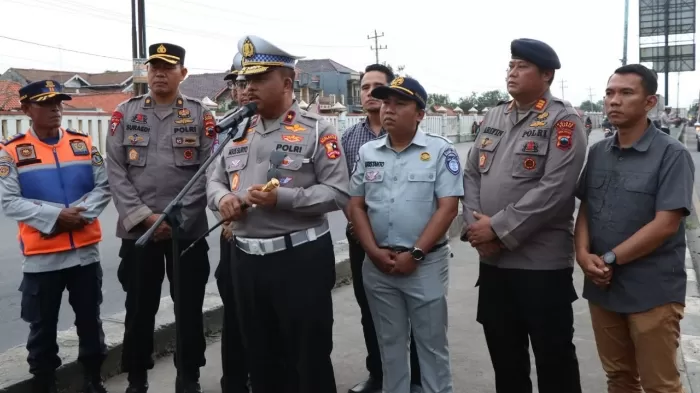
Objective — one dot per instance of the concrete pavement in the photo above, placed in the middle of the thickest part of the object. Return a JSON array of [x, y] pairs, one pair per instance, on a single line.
[[471, 364]]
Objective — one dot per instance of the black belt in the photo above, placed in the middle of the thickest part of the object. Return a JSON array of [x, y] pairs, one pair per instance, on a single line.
[[400, 249]]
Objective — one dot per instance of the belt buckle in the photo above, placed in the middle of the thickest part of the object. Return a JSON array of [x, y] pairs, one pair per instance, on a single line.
[[254, 246]]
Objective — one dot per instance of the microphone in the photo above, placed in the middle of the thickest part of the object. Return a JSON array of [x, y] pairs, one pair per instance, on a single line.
[[234, 119]]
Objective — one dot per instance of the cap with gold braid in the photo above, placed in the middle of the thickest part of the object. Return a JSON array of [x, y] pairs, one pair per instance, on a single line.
[[405, 87], [170, 53], [41, 91], [260, 56]]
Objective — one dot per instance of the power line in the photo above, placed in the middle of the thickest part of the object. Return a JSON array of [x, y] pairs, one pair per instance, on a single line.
[[561, 83], [376, 48]]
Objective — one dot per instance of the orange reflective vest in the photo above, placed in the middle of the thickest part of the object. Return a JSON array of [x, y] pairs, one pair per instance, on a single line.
[[58, 175]]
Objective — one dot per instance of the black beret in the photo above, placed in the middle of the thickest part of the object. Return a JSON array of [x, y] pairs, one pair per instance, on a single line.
[[536, 52]]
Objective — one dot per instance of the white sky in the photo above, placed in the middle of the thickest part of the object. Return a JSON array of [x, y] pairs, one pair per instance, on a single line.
[[452, 46]]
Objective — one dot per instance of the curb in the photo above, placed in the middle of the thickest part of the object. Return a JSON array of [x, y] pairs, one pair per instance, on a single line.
[[14, 375]]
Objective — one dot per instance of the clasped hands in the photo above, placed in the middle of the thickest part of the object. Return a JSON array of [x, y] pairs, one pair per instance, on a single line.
[[594, 268], [232, 207], [392, 262], [482, 237]]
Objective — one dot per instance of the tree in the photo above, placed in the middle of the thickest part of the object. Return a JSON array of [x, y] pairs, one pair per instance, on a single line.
[[491, 98], [588, 106], [439, 99]]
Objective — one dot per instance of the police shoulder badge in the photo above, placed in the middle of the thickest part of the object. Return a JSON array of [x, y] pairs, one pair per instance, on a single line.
[[209, 125], [79, 147], [565, 132], [97, 159], [4, 170], [115, 121], [452, 163], [330, 143]]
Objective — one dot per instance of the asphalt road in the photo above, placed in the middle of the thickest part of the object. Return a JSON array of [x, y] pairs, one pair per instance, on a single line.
[[14, 329]]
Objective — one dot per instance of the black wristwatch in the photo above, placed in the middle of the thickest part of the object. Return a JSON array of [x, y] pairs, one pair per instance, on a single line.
[[610, 258], [417, 254]]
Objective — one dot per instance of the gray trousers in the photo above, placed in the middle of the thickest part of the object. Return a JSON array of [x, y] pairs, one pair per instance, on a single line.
[[418, 302]]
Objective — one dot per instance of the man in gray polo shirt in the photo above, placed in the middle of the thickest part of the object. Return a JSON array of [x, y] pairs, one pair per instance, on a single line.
[[635, 192]]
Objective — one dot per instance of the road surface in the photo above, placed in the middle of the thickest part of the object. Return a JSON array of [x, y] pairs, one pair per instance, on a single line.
[[15, 330]]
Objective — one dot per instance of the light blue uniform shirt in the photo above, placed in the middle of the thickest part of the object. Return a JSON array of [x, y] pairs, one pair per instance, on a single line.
[[401, 189]]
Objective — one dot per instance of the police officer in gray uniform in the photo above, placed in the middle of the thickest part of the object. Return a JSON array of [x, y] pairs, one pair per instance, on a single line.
[[405, 190], [155, 145], [283, 265], [234, 367], [519, 185]]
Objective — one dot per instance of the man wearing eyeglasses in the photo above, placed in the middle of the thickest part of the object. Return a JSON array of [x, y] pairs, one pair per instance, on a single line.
[[283, 265], [235, 370]]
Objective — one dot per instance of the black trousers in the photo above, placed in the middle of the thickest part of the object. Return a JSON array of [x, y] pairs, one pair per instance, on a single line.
[[141, 274], [286, 312], [41, 302], [235, 368], [516, 306], [374, 359]]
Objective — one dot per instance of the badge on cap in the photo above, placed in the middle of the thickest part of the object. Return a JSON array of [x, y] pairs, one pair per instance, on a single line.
[[161, 49], [397, 81], [248, 48]]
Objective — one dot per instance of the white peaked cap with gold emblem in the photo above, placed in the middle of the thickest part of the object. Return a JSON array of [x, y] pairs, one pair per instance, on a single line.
[[260, 56]]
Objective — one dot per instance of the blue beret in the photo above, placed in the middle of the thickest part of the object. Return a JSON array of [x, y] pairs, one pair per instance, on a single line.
[[40, 91], [405, 87], [536, 52]]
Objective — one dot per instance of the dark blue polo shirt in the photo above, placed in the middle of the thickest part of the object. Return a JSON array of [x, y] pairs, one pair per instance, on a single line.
[[623, 189]]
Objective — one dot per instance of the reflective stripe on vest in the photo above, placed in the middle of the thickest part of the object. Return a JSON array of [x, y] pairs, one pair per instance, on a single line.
[[61, 175]]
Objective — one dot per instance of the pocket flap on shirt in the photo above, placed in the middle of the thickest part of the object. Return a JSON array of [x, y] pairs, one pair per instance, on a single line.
[[421, 176]]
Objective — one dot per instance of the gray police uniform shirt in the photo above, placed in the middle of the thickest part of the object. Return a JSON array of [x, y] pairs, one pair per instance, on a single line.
[[522, 173], [152, 152], [313, 175], [219, 139], [623, 189], [43, 216], [401, 189]]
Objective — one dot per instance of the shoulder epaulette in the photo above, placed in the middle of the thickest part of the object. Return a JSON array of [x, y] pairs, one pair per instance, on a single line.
[[310, 115], [76, 132], [14, 139], [439, 136]]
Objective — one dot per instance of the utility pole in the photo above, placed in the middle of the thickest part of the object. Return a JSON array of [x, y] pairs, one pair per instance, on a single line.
[[376, 48], [561, 83], [590, 99], [138, 38], [624, 39]]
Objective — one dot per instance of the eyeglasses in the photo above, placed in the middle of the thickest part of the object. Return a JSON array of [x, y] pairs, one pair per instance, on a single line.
[[276, 159]]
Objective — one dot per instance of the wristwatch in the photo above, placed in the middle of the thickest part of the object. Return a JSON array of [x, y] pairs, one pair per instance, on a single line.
[[417, 254], [610, 258]]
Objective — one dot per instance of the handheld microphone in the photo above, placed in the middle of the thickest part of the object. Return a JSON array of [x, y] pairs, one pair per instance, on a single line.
[[234, 119]]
